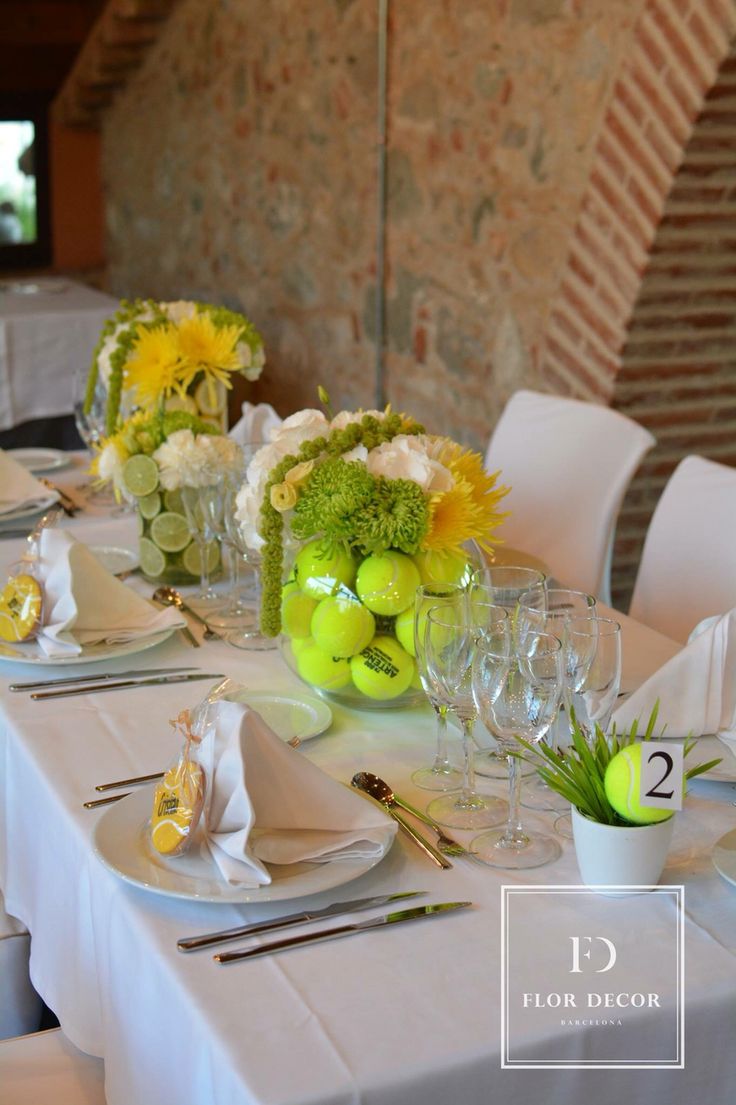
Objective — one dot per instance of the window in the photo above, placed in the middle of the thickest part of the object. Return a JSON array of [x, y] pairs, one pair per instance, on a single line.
[[25, 237]]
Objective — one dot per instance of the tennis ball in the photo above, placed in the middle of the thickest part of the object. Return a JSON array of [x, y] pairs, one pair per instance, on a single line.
[[621, 783], [296, 610], [383, 669], [387, 584], [322, 567], [342, 626], [298, 644], [404, 629], [447, 567], [321, 670]]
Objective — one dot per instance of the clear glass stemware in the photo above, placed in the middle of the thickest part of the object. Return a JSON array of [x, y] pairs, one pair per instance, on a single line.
[[248, 635], [202, 505], [441, 775]]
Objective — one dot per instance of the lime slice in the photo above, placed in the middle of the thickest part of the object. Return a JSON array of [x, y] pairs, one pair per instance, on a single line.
[[152, 559], [141, 524], [170, 531], [150, 505], [181, 403], [192, 562], [210, 397], [173, 501], [140, 475]]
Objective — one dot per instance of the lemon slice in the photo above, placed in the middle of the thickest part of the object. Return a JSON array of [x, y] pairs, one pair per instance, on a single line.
[[210, 397], [20, 608], [140, 475], [152, 559], [181, 403], [170, 532], [150, 505], [192, 562]]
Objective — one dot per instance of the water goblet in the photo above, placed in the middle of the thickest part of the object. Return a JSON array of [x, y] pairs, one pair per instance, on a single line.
[[517, 687], [449, 643], [451, 597]]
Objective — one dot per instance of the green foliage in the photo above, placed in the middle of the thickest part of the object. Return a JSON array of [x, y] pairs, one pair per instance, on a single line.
[[577, 772]]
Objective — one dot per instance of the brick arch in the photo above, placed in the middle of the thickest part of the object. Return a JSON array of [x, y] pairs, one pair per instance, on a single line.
[[677, 49]]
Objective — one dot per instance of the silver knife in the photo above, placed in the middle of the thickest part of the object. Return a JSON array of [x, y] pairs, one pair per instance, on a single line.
[[194, 943], [416, 914], [125, 684], [64, 680]]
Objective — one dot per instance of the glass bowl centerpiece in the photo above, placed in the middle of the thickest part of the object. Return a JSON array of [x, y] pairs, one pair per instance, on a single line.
[[158, 382], [349, 515]]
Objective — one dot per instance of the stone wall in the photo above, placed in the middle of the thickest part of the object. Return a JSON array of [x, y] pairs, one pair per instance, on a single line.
[[240, 165]]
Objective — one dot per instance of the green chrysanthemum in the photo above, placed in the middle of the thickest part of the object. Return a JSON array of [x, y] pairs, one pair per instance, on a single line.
[[335, 495], [397, 517]]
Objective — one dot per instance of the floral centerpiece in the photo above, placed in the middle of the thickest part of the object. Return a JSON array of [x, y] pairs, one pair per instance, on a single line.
[[350, 514], [163, 370]]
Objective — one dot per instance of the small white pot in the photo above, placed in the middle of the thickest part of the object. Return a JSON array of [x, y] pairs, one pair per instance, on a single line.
[[620, 855]]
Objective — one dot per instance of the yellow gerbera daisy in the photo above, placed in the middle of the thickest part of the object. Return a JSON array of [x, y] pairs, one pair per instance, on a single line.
[[468, 511], [154, 368], [209, 349]]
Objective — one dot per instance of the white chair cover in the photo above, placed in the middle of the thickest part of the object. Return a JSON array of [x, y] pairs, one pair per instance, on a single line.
[[20, 1005], [255, 423], [688, 566], [46, 1069], [568, 464]]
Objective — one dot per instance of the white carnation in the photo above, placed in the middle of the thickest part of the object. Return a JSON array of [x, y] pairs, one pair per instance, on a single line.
[[407, 458], [346, 418], [178, 310], [177, 459]]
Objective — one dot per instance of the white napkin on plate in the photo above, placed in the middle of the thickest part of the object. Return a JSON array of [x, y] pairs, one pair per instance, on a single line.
[[84, 604], [255, 424], [266, 803], [18, 488], [696, 688]]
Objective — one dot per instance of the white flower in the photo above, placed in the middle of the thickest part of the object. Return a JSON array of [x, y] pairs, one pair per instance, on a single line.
[[177, 459], [346, 418], [300, 427], [220, 458], [406, 458], [247, 508], [358, 453], [110, 467], [179, 310]]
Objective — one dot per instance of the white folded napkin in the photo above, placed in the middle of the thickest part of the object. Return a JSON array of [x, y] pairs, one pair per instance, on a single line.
[[696, 688], [255, 424], [266, 803], [18, 488], [84, 604]]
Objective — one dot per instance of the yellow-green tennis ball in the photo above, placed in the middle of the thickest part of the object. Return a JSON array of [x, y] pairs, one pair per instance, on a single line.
[[298, 644], [319, 669], [621, 783], [387, 584], [382, 670], [322, 567], [436, 567], [342, 626], [296, 610], [404, 629]]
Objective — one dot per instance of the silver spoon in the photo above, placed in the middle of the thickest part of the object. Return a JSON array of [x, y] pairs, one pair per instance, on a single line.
[[376, 788], [169, 596], [379, 789]]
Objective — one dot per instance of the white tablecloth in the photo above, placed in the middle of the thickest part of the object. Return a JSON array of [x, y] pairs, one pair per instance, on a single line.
[[402, 1017], [45, 338]]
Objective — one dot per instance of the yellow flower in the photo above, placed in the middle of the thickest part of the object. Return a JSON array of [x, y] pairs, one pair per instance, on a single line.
[[468, 511], [209, 349], [283, 496], [154, 369], [300, 473]]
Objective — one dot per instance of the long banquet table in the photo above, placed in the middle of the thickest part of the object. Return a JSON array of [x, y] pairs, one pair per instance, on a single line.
[[398, 1017]]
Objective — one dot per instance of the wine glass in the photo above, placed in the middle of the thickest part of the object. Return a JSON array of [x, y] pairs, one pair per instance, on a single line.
[[517, 687], [449, 644], [202, 506], [91, 428], [248, 634], [237, 611], [503, 585], [451, 597]]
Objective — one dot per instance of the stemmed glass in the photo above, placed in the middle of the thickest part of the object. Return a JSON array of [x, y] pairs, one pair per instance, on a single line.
[[503, 585], [91, 429], [202, 507], [449, 644], [439, 596], [517, 688], [237, 611]]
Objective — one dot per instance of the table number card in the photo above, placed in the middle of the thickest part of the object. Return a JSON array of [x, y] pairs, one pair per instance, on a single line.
[[660, 781]]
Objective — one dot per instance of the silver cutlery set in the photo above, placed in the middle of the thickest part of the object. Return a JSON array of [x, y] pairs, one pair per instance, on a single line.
[[65, 687]]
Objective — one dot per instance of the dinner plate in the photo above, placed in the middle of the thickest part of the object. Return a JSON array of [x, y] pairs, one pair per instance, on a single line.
[[121, 840], [38, 507], [724, 856], [30, 653], [115, 559], [288, 715], [40, 460]]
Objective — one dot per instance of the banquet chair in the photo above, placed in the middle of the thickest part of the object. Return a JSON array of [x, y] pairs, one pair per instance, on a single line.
[[687, 570], [568, 463], [20, 1005], [46, 1069]]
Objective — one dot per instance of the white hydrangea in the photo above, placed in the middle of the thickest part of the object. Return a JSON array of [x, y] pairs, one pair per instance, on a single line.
[[408, 457]]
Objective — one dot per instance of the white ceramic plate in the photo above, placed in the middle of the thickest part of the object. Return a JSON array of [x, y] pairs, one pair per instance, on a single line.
[[115, 559], [288, 715], [30, 653], [724, 856], [29, 511], [121, 840], [40, 460]]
